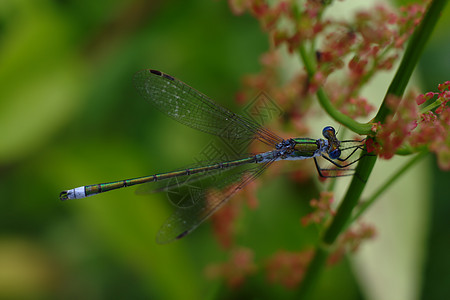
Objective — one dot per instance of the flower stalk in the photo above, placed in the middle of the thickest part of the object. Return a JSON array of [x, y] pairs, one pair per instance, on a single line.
[[359, 49], [366, 164]]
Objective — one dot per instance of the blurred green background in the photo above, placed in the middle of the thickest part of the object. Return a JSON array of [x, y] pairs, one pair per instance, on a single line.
[[69, 116]]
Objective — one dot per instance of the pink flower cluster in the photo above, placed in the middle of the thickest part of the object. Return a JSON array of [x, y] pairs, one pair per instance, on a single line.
[[288, 268], [434, 127], [236, 270], [350, 241], [370, 43], [392, 134], [429, 129], [224, 219], [322, 211]]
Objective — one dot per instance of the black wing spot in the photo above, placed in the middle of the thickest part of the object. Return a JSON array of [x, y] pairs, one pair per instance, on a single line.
[[168, 77], [182, 235], [155, 72]]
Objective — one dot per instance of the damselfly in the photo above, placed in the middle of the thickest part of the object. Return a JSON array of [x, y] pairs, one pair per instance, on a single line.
[[192, 108]]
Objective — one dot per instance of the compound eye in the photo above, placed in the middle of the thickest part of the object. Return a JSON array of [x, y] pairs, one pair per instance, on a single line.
[[335, 154], [328, 129]]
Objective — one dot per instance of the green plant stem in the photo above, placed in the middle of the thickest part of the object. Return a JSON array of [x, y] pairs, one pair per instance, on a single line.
[[430, 106], [325, 102], [351, 198], [366, 164], [412, 54], [397, 88], [402, 76], [359, 128], [387, 184], [307, 61], [314, 268]]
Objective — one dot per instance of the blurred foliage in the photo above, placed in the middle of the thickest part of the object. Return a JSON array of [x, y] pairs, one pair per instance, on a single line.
[[69, 116]]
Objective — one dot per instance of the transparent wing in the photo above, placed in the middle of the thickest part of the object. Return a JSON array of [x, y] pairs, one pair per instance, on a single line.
[[183, 191], [206, 201], [191, 108]]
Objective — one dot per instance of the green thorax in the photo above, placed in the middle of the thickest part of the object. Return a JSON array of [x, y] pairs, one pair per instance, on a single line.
[[305, 147]]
